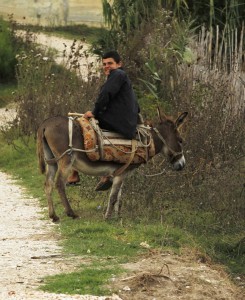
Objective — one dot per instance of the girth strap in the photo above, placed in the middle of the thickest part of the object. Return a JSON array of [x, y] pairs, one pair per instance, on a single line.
[[124, 167], [70, 130]]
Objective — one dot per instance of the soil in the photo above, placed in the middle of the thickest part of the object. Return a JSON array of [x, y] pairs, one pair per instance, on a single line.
[[61, 44], [165, 276]]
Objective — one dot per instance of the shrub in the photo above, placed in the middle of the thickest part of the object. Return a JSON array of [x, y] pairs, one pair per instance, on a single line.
[[47, 89], [7, 53]]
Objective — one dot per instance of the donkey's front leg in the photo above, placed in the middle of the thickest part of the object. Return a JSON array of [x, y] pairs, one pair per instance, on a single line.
[[114, 198], [118, 204]]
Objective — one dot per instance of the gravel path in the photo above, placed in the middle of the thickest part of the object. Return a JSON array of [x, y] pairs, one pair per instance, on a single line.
[[61, 44], [28, 247]]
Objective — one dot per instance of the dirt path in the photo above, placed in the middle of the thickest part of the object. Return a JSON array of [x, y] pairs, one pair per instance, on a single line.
[[29, 247], [61, 44]]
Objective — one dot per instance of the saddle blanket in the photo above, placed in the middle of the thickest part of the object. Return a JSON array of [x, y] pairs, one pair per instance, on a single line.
[[113, 146]]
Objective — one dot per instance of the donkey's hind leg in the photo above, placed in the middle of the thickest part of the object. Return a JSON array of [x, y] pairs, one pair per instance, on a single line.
[[49, 186], [118, 204], [61, 179], [114, 198]]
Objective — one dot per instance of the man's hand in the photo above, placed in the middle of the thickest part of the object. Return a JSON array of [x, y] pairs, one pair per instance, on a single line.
[[88, 114]]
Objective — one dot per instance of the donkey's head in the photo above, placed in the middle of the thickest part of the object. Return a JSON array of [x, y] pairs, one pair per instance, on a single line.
[[170, 139]]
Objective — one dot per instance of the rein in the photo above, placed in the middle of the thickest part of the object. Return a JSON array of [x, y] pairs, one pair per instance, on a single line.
[[175, 154], [156, 174]]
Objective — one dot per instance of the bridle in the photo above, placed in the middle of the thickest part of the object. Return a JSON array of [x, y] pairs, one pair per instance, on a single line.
[[173, 153]]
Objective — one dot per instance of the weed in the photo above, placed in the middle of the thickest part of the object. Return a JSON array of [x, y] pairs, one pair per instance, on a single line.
[[7, 94]]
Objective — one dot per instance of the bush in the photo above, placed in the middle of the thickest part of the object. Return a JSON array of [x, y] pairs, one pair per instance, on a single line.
[[7, 53], [47, 89]]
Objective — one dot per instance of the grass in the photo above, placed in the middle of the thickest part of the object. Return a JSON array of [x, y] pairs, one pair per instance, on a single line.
[[226, 251], [6, 91], [116, 240], [107, 244], [87, 281]]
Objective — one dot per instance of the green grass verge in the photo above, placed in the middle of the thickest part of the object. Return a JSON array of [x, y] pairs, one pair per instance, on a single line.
[[87, 281], [6, 91], [109, 243], [19, 160], [116, 240]]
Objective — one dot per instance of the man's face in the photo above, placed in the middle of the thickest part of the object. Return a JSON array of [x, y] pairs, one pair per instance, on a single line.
[[110, 64]]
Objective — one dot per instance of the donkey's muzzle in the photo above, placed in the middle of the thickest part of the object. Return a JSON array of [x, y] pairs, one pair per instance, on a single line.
[[179, 164]]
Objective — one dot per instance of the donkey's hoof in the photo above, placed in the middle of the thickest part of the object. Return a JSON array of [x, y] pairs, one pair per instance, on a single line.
[[76, 217], [107, 216], [104, 185], [73, 215], [55, 219]]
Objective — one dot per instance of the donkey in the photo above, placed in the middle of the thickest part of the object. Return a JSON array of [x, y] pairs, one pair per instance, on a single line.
[[57, 158]]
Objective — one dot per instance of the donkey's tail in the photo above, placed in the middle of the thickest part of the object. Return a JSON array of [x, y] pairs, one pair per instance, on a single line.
[[40, 150]]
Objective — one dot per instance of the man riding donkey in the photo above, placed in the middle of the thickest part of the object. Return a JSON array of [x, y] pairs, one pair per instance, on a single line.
[[116, 107]]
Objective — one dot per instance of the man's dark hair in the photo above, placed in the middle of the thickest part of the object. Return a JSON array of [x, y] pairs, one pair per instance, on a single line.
[[112, 54]]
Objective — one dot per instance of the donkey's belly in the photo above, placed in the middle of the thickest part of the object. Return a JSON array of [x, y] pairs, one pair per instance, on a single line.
[[95, 168]]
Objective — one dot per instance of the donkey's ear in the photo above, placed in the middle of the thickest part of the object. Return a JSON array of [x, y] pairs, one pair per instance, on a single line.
[[161, 115], [181, 119]]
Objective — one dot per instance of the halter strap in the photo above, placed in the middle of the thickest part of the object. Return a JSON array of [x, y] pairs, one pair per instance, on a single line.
[[174, 153]]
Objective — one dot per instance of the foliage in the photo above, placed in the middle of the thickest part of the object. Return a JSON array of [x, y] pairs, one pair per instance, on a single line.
[[126, 18], [229, 13], [10, 45], [128, 15], [7, 91], [151, 58], [7, 53], [64, 91]]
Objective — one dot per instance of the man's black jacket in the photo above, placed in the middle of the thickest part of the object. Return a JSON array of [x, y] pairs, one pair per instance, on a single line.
[[116, 107]]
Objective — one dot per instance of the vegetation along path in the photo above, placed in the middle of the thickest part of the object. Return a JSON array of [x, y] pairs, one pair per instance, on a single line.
[[29, 251]]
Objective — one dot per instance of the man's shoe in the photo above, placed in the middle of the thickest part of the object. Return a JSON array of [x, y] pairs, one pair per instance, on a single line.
[[104, 185], [73, 179], [73, 183]]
